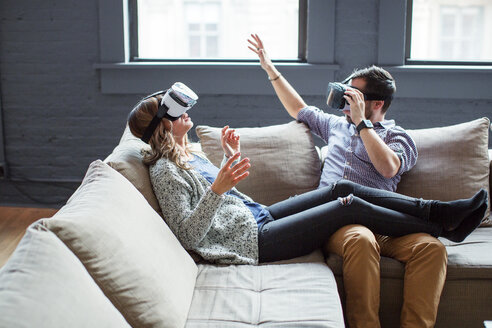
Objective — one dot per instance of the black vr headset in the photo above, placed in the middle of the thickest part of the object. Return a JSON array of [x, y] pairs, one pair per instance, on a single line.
[[176, 101], [336, 91]]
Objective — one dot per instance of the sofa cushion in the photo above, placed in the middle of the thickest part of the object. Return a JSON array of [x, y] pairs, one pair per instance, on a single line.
[[127, 248], [313, 257], [488, 221], [452, 164], [44, 285], [285, 295], [467, 289], [284, 161], [126, 158], [472, 258]]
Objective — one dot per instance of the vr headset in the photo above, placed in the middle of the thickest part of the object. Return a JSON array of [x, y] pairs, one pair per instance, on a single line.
[[336, 91], [176, 101]]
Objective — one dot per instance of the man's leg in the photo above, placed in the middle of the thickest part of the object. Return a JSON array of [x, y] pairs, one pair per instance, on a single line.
[[360, 252], [425, 261]]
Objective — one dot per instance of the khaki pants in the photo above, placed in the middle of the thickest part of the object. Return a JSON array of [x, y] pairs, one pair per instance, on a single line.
[[425, 261]]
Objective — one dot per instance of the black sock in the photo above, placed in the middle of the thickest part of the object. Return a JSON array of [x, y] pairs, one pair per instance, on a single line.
[[467, 225], [451, 214]]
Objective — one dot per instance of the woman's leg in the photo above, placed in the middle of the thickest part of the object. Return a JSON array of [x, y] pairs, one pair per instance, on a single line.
[[401, 203], [449, 214], [302, 202], [410, 205], [301, 233]]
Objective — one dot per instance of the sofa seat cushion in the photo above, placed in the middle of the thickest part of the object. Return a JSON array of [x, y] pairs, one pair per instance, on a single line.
[[465, 299], [470, 259], [390, 268], [44, 285], [284, 295], [315, 256]]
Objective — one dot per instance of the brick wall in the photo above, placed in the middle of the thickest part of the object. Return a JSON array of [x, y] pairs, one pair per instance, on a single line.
[[56, 120]]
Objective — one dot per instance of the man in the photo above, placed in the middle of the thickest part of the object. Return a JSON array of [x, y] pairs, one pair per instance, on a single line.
[[367, 149]]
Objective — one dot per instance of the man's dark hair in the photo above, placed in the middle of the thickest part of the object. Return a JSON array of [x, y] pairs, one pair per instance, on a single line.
[[378, 81]]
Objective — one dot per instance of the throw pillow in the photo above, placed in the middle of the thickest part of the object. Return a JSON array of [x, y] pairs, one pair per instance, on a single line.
[[452, 164], [128, 249], [43, 284], [284, 161], [126, 158]]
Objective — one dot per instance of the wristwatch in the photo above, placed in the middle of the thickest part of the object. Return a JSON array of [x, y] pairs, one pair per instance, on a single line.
[[364, 124]]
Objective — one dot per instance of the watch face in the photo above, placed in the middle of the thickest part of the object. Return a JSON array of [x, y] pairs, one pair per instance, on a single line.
[[364, 124]]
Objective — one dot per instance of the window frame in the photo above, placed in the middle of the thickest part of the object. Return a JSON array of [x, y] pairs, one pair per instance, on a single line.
[[408, 45], [436, 80], [119, 74], [3, 158], [133, 33]]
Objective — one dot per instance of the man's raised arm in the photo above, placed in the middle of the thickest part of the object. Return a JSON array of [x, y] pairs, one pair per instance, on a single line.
[[288, 96]]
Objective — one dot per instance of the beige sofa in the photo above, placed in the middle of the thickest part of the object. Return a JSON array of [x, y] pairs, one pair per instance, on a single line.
[[108, 259]]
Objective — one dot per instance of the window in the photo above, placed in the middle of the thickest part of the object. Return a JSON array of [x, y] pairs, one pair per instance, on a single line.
[[202, 31], [430, 78], [123, 70], [449, 31], [215, 29]]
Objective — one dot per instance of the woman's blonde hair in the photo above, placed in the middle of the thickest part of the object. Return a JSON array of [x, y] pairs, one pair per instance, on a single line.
[[162, 142]]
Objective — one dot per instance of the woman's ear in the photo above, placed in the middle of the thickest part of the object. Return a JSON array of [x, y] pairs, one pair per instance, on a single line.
[[168, 125]]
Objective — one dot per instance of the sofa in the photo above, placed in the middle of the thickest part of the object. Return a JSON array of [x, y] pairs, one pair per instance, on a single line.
[[108, 259]]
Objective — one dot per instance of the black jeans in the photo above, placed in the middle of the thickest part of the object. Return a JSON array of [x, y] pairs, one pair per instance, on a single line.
[[303, 223]]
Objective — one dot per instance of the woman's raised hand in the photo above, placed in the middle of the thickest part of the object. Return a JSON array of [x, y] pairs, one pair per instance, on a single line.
[[229, 176], [229, 141], [259, 49]]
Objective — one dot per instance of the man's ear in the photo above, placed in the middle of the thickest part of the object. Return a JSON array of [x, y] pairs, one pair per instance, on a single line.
[[377, 104]]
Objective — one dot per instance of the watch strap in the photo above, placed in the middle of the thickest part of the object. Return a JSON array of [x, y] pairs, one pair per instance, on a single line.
[[364, 124]]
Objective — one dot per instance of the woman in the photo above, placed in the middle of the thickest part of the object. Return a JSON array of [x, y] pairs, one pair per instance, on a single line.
[[209, 216]]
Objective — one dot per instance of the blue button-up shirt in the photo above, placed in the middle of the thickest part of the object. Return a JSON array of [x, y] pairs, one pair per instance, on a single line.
[[346, 156]]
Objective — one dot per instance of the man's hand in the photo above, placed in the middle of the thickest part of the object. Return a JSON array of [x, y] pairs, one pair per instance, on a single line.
[[287, 95], [355, 98], [229, 141], [229, 176], [259, 49]]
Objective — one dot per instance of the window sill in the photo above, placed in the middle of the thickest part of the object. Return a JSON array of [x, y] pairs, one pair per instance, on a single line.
[[442, 81], [238, 78], [442, 68]]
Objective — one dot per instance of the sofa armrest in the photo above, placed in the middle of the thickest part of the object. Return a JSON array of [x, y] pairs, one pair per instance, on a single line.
[[490, 183], [490, 172]]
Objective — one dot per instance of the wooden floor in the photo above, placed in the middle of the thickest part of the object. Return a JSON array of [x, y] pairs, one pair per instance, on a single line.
[[13, 224]]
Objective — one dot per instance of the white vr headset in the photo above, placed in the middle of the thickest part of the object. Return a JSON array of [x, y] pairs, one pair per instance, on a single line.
[[176, 101]]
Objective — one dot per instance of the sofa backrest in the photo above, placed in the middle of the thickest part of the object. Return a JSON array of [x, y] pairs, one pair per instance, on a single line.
[[126, 158], [284, 161], [127, 248], [283, 157], [44, 284], [453, 162]]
